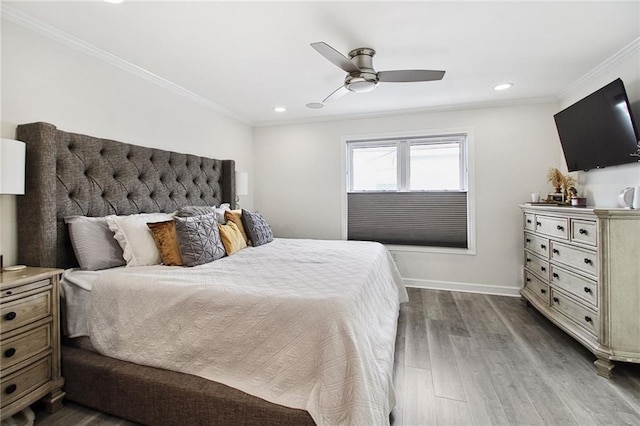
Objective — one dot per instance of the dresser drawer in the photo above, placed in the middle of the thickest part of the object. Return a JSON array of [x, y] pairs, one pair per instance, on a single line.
[[538, 266], [553, 226], [537, 287], [581, 287], [536, 244], [581, 259], [24, 311], [530, 221], [584, 231], [25, 345], [25, 380], [584, 317]]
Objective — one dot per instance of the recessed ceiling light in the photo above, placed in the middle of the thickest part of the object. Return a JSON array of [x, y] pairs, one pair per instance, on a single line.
[[503, 86], [114, 1], [279, 109], [315, 105]]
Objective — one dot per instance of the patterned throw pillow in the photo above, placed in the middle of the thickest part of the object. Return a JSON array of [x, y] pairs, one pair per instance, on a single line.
[[258, 230], [199, 239]]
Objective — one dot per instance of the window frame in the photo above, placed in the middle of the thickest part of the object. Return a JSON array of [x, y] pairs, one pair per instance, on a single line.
[[469, 152]]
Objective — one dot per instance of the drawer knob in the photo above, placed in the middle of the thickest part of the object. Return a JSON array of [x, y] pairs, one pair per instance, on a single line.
[[528, 280], [583, 231], [543, 269], [528, 240], [556, 300], [555, 275], [10, 389], [10, 316], [588, 319], [543, 291], [560, 228], [528, 260], [587, 290], [556, 251], [587, 261], [539, 223], [8, 293], [543, 247], [10, 352], [528, 220]]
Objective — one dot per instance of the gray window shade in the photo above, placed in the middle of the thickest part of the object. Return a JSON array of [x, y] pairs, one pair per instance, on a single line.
[[409, 218]]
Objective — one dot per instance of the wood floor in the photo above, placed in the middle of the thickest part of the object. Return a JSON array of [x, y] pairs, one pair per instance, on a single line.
[[470, 359]]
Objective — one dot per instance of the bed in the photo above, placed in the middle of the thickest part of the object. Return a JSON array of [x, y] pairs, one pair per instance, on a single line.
[[72, 174]]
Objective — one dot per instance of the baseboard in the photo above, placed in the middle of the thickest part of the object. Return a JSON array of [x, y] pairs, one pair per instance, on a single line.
[[463, 287]]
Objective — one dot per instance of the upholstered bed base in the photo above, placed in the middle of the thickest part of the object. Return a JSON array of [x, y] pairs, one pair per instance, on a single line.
[[73, 174], [159, 397]]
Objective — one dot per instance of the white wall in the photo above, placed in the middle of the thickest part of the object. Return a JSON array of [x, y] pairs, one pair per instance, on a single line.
[[299, 181], [43, 80], [602, 186]]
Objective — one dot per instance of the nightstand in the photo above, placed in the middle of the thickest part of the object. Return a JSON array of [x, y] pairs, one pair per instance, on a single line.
[[30, 340]]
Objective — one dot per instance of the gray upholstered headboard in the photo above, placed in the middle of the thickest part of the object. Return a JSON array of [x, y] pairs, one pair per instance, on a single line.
[[71, 174]]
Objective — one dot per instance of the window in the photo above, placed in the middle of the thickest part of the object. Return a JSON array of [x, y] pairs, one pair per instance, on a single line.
[[410, 191]]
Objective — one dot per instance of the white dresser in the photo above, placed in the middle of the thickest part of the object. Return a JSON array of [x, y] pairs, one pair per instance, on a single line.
[[582, 271]]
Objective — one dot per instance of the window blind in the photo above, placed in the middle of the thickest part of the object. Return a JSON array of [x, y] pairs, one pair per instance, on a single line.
[[433, 218]]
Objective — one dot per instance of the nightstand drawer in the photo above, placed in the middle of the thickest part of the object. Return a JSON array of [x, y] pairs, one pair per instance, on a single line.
[[14, 292], [585, 318], [25, 345], [25, 380], [24, 311]]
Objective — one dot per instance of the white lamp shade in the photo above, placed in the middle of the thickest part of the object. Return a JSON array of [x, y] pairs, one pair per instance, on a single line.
[[12, 163], [242, 183]]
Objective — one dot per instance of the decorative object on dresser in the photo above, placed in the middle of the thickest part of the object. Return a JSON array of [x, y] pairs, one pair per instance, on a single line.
[[30, 340], [581, 271]]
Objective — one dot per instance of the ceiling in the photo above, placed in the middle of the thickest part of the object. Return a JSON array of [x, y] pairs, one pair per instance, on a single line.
[[248, 57]]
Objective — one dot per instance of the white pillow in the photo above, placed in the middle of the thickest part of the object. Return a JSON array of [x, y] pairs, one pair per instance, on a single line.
[[132, 233], [220, 212]]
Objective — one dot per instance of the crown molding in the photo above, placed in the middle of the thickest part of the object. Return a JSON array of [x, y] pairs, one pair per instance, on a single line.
[[607, 65], [17, 17]]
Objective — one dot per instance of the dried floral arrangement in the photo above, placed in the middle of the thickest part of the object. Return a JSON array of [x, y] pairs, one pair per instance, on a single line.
[[561, 182]]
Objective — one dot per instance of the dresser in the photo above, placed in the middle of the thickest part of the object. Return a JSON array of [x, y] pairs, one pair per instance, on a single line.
[[29, 340], [582, 271]]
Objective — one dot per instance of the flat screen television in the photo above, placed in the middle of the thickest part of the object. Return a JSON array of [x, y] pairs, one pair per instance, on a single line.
[[599, 130]]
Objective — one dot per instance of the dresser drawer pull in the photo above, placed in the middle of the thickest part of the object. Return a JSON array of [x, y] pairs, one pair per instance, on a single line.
[[10, 389], [543, 247], [583, 231], [543, 269], [543, 291], [10, 316], [528, 240], [539, 223], [528, 260], [587, 290], [588, 261], [528, 280], [588, 319], [555, 275], [8, 293], [560, 228], [556, 251], [528, 220], [556, 300], [10, 352]]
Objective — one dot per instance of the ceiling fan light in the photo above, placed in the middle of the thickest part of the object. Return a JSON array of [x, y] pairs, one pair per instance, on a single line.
[[503, 86], [361, 86]]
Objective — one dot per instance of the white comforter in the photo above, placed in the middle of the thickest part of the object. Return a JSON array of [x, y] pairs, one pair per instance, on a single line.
[[301, 323]]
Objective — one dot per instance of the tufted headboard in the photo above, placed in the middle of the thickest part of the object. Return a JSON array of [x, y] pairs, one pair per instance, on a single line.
[[71, 174]]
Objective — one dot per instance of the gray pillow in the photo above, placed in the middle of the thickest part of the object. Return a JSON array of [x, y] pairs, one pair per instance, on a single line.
[[93, 243], [198, 210], [257, 229], [199, 239]]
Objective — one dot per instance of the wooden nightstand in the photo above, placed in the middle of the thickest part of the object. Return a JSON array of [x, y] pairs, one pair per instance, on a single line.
[[29, 340]]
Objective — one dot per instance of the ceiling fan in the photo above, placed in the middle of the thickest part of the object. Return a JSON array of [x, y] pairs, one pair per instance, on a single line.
[[361, 76]]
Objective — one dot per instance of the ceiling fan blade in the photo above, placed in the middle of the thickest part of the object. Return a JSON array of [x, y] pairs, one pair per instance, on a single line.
[[402, 76], [338, 93], [335, 57]]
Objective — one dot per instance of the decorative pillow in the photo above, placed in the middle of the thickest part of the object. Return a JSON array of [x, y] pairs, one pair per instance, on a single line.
[[235, 216], [231, 237], [199, 239], [93, 243], [135, 238], [164, 234], [257, 228], [225, 207]]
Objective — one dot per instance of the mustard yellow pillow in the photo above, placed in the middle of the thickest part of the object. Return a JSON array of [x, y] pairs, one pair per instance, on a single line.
[[232, 238], [235, 216], [166, 238]]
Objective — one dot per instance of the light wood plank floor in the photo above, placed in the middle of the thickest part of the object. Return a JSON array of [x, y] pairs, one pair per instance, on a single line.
[[473, 359]]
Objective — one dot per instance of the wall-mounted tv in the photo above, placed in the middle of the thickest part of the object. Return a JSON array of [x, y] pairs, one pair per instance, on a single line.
[[599, 130]]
